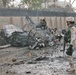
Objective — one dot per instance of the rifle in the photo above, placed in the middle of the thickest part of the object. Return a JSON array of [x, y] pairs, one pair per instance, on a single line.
[[67, 36], [64, 44]]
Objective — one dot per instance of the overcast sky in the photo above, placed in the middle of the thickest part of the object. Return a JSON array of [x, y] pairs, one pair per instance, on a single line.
[[17, 0], [74, 4]]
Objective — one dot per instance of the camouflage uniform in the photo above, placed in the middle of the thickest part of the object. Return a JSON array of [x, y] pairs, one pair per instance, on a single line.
[[69, 51]]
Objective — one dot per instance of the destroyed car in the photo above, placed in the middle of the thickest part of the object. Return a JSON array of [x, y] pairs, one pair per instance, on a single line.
[[19, 39], [9, 29]]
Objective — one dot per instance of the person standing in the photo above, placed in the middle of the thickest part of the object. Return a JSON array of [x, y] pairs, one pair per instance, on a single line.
[[44, 24], [71, 33]]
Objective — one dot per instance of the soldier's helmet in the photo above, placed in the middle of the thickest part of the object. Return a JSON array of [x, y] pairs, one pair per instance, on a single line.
[[71, 19]]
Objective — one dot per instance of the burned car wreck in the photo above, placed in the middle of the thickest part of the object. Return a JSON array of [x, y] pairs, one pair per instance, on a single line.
[[35, 38]]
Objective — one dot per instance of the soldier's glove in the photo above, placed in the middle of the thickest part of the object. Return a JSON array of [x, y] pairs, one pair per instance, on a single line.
[[70, 50]]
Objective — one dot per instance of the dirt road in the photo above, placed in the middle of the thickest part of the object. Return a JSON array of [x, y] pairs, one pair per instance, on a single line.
[[22, 61]]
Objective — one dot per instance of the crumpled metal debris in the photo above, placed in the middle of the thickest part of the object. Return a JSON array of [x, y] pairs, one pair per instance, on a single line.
[[42, 58], [9, 29], [6, 34], [2, 39], [35, 38], [19, 39]]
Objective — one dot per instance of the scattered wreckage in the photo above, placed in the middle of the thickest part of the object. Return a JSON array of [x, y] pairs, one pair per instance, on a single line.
[[17, 37], [20, 38]]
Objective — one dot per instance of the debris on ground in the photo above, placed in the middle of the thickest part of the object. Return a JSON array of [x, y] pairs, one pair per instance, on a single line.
[[14, 60], [41, 58], [5, 46], [40, 63], [19, 39]]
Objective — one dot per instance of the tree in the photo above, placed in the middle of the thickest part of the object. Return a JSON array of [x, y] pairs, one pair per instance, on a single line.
[[33, 4], [5, 2], [1, 4]]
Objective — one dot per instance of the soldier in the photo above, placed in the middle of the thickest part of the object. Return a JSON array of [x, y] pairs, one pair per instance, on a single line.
[[72, 35], [42, 24]]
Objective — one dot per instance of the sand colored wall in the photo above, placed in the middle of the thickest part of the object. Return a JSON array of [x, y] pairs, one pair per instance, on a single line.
[[52, 22]]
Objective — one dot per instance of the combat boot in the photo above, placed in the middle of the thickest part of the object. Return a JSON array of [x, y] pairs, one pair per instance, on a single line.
[[71, 69]]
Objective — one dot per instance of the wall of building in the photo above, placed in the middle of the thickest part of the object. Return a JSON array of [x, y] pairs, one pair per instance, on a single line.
[[52, 22]]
